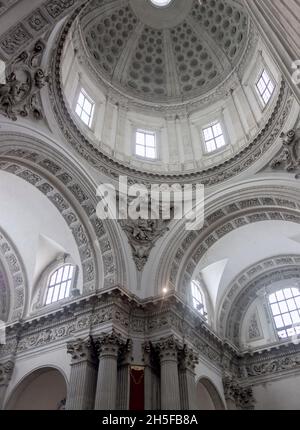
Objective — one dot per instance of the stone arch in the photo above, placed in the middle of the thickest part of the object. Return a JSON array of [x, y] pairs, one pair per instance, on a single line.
[[29, 393], [75, 198], [267, 205], [244, 288], [13, 281], [208, 396]]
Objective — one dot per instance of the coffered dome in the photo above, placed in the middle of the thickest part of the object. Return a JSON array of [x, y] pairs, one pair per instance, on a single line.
[[166, 54]]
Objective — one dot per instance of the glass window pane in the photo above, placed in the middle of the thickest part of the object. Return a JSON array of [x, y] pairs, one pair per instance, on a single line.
[[295, 317], [208, 134], [62, 291], [217, 129], [283, 307], [71, 272], [295, 291], [150, 152], [150, 140], [291, 304], [65, 273], [287, 319], [279, 295], [297, 300], [78, 110], [55, 294], [85, 118], [220, 142], [272, 298], [210, 146], [68, 289], [140, 150], [87, 106], [59, 275], [80, 100], [261, 86], [266, 96], [278, 322], [140, 140], [275, 309], [49, 295], [265, 76], [287, 293], [271, 87]]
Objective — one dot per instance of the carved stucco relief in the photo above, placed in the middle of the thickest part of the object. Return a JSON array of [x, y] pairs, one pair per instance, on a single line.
[[19, 162], [13, 281]]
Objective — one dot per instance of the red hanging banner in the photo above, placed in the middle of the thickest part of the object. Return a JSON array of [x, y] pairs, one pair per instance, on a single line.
[[136, 402]]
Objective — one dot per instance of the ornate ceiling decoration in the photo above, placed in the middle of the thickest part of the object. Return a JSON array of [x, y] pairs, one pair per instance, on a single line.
[[164, 55]]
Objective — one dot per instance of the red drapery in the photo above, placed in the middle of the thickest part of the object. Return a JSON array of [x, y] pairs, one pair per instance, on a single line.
[[136, 402]]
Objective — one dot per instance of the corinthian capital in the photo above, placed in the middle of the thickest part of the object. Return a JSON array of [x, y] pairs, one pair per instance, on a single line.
[[168, 348], [188, 359], [6, 370], [82, 350], [109, 344]]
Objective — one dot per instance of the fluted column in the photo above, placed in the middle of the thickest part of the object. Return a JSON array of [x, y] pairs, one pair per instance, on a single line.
[[123, 380], [168, 352], [187, 382], [82, 386], [6, 370], [108, 350]]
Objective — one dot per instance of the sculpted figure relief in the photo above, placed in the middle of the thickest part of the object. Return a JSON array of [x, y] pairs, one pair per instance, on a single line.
[[289, 157]]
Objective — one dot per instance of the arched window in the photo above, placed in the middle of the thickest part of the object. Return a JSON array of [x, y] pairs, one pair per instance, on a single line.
[[198, 299], [285, 308], [60, 283]]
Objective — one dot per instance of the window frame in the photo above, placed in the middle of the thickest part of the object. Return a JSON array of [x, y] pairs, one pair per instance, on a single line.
[[203, 300], [224, 135], [264, 69], [72, 281], [146, 132], [285, 327], [81, 90]]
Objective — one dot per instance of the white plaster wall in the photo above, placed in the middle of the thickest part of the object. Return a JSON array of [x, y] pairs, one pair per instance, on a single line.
[[25, 215], [205, 370], [283, 394], [25, 365]]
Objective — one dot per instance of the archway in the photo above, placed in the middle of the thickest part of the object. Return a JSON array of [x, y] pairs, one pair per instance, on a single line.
[[208, 397], [43, 389]]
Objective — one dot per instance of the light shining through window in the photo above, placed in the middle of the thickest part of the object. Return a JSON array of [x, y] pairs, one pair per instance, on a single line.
[[85, 108], [145, 144], [161, 3], [213, 137], [198, 299], [285, 307], [60, 284], [265, 87]]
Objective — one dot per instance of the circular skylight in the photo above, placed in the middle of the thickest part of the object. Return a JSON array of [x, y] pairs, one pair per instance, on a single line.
[[160, 3]]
